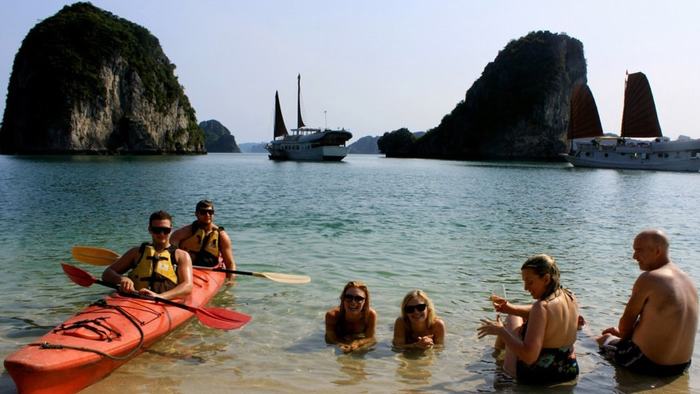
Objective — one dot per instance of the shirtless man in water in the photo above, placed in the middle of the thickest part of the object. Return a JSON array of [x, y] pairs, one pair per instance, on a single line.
[[656, 333]]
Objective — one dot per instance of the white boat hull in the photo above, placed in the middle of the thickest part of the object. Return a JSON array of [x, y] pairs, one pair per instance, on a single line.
[[681, 155], [304, 152]]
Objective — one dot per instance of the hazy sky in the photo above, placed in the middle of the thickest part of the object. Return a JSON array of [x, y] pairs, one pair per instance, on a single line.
[[375, 66]]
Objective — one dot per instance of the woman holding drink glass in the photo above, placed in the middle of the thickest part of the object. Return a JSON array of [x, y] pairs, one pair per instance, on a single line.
[[538, 338]]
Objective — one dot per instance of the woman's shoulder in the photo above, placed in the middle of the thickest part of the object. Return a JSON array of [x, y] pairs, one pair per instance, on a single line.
[[439, 324], [333, 312]]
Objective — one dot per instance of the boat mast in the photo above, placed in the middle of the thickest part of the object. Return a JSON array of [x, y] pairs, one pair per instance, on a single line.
[[300, 122]]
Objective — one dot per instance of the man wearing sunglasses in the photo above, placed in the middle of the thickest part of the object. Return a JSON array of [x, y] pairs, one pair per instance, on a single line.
[[204, 240], [156, 268]]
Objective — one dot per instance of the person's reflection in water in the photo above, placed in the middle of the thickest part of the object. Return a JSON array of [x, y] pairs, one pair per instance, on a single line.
[[630, 382], [352, 365], [414, 367]]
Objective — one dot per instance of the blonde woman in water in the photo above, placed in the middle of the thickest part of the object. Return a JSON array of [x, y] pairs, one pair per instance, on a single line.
[[418, 327]]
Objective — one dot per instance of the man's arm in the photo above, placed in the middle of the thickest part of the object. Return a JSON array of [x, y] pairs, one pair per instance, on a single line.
[[180, 234], [227, 252], [113, 273], [635, 305]]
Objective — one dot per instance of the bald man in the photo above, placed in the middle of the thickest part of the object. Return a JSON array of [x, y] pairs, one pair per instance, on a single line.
[[656, 333]]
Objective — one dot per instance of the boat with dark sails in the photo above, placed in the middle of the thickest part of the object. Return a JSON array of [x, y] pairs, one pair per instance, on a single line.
[[639, 120], [305, 143]]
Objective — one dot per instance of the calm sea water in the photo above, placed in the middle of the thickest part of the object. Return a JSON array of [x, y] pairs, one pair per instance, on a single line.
[[458, 230]]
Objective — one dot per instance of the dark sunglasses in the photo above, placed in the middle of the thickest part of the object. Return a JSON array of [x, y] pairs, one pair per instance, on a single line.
[[411, 308], [161, 230], [206, 211], [356, 298]]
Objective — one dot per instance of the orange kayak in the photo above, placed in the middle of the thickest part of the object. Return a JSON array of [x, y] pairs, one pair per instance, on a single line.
[[100, 338]]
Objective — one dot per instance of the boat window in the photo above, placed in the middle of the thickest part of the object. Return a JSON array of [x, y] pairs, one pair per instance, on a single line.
[[606, 155]]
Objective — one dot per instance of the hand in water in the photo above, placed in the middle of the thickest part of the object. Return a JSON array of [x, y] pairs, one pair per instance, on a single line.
[[425, 342]]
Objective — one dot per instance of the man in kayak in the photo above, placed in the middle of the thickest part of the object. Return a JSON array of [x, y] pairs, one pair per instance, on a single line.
[[204, 240], [155, 269], [656, 333]]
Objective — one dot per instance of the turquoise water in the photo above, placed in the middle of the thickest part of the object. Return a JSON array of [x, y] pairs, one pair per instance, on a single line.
[[458, 230]]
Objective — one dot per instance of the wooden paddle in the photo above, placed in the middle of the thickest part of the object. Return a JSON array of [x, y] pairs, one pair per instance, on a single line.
[[219, 318], [101, 256]]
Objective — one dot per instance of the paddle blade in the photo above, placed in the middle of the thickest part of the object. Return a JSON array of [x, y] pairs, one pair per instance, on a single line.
[[94, 255], [82, 278], [221, 318], [284, 278]]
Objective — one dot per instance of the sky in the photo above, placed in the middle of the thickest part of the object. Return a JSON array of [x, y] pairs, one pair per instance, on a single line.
[[372, 66]]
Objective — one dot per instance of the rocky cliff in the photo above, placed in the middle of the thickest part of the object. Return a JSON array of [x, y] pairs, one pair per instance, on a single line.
[[87, 81], [517, 110], [218, 138]]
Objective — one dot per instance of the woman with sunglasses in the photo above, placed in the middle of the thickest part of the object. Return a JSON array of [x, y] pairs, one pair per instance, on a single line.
[[538, 338], [418, 327], [351, 325]]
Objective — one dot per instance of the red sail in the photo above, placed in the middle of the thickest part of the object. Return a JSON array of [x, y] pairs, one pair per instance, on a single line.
[[583, 116], [280, 128], [639, 116], [300, 123]]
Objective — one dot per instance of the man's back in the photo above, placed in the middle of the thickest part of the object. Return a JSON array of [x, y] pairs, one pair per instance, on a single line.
[[666, 329]]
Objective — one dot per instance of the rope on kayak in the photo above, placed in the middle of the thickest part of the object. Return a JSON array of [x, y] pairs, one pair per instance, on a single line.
[[102, 329], [82, 324]]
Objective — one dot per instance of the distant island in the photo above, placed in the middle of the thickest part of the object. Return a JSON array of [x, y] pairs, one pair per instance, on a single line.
[[253, 147], [517, 110], [87, 81], [218, 138], [365, 145]]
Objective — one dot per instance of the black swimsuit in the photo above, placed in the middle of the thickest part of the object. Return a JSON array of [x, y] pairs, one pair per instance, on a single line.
[[627, 354], [553, 365]]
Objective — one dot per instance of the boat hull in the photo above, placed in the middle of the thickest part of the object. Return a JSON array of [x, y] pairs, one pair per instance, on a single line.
[[683, 155], [111, 337], [321, 153]]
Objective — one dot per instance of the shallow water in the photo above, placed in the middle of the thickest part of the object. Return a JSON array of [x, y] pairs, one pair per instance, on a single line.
[[458, 230]]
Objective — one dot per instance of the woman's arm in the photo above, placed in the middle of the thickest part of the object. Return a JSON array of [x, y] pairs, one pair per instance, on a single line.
[[399, 340], [439, 331], [528, 349], [502, 305], [331, 321]]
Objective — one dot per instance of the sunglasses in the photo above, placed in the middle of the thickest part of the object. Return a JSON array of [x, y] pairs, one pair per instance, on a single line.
[[206, 211], [161, 230], [412, 308], [356, 298]]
